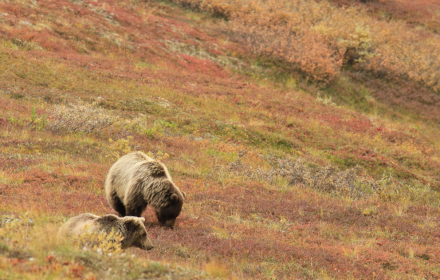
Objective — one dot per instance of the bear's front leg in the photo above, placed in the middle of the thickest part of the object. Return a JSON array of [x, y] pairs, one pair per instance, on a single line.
[[136, 212], [135, 207]]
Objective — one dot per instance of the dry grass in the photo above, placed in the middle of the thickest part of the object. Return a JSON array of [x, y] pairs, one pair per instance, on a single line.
[[81, 118]]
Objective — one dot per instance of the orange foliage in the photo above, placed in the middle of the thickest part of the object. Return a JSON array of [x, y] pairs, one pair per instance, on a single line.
[[314, 36], [305, 51]]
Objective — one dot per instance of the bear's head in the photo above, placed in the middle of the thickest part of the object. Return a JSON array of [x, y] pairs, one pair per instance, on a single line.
[[136, 233], [132, 229], [167, 215]]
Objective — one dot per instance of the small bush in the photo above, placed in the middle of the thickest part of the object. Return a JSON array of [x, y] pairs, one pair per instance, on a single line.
[[158, 129], [158, 156], [38, 122], [118, 148]]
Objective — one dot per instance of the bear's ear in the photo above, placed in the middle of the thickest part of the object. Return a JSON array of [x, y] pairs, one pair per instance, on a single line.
[[142, 219], [107, 219], [174, 197], [131, 225]]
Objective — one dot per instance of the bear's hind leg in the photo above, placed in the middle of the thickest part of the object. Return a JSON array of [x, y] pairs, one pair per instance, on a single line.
[[117, 205]]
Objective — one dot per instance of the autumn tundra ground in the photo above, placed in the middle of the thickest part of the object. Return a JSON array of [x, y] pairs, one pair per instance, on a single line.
[[304, 134]]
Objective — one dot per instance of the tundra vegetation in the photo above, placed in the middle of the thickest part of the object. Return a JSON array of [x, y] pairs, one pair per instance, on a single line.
[[304, 136]]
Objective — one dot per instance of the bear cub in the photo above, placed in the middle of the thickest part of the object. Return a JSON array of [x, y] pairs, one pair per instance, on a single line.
[[135, 181], [132, 229]]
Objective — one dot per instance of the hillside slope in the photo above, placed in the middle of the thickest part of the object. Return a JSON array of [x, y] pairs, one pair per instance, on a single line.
[[287, 176]]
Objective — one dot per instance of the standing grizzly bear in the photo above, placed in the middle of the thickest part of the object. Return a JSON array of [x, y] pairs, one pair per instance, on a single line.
[[136, 181], [132, 229]]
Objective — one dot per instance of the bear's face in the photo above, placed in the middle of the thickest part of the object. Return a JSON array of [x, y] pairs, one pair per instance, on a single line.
[[167, 215], [137, 233]]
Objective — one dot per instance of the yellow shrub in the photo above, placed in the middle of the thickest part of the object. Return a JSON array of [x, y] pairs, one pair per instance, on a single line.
[[101, 242]]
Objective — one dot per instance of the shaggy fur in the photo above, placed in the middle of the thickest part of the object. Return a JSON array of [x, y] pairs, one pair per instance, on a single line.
[[136, 181], [131, 228]]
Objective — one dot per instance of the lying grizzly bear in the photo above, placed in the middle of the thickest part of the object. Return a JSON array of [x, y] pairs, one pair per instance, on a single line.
[[132, 229], [136, 181]]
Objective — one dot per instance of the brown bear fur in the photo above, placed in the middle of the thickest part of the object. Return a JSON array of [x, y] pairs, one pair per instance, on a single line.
[[136, 181], [132, 229]]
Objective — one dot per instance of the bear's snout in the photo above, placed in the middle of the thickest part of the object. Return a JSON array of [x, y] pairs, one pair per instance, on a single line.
[[147, 245], [170, 223]]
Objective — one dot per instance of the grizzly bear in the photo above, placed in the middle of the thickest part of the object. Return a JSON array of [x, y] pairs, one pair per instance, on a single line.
[[132, 229], [135, 181]]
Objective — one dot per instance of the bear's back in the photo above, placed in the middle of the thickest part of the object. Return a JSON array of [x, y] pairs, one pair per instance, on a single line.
[[77, 224], [153, 169], [123, 171], [108, 222], [137, 165], [137, 157]]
